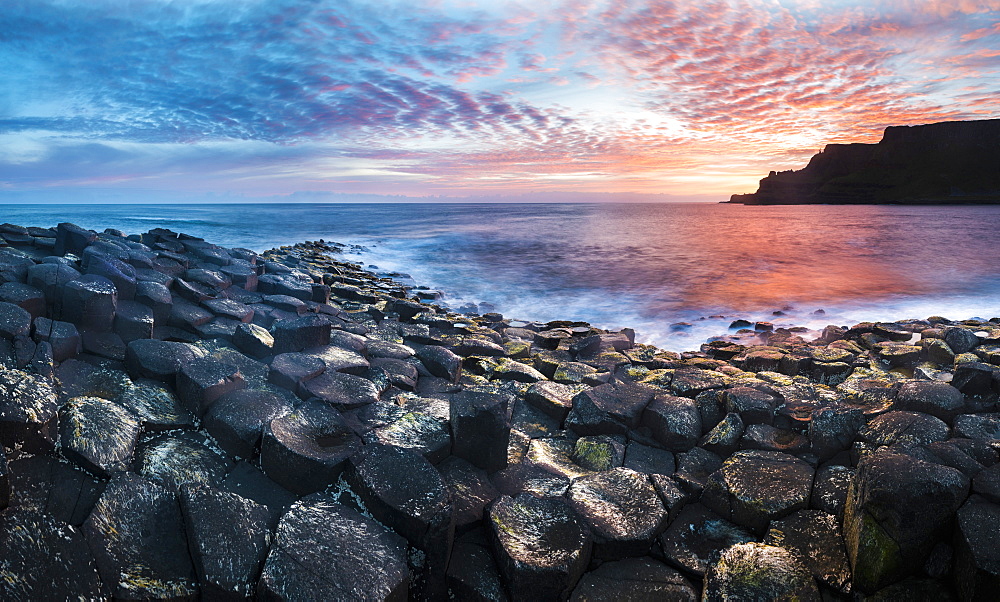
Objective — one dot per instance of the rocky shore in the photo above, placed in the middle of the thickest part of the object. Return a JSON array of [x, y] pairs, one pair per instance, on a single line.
[[182, 421]]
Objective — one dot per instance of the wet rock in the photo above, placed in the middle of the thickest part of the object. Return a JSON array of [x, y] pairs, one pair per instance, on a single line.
[[50, 278], [622, 510], [28, 411], [415, 431], [316, 550], [440, 362], [634, 579], [45, 559], [555, 399], [480, 429], [815, 537], [14, 321], [97, 434], [63, 336], [650, 460], [977, 559], [753, 405], [674, 421], [176, 460], [136, 533], [156, 407], [833, 429], [903, 428], [541, 546], [253, 340], [768, 438], [228, 536], [201, 381], [609, 409], [724, 438], [981, 427], [738, 493], [344, 391], [156, 297], [755, 571], [237, 419], [158, 360], [694, 539], [938, 399], [830, 489], [307, 449], [897, 508]]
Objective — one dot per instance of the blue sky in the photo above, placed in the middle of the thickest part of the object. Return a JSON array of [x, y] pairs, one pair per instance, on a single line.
[[244, 99]]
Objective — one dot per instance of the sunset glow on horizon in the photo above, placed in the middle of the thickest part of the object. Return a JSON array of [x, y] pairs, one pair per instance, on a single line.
[[247, 99]]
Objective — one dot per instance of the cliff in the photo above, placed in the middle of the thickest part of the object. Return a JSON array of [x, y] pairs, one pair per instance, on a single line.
[[951, 162]]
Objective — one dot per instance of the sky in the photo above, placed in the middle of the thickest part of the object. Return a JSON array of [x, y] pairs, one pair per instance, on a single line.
[[321, 100]]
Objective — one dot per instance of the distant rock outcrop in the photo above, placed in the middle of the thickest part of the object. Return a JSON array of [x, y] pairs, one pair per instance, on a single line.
[[951, 162]]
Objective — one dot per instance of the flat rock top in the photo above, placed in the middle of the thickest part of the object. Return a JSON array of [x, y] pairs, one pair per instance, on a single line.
[[538, 532]]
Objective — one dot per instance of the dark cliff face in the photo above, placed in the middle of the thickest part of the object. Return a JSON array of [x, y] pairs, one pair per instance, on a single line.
[[948, 163]]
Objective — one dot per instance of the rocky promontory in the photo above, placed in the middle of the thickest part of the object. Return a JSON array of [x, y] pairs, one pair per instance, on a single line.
[[951, 162], [182, 421]]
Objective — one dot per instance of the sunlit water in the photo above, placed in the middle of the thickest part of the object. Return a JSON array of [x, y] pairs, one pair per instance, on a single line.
[[647, 266]]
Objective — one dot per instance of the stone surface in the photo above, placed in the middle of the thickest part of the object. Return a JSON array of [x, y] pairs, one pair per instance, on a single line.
[[238, 419], [622, 510], [28, 411], [634, 579], [343, 391], [754, 571], [178, 460], [977, 558], [815, 537], [694, 539], [610, 409], [480, 429], [674, 421], [98, 434], [203, 380]]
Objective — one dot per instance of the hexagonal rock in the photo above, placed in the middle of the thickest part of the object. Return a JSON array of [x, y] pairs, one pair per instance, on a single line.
[[830, 488], [973, 378], [440, 362], [97, 434], [471, 490], [938, 399], [71, 238], [977, 559], [133, 321], [609, 409], [330, 552], [815, 537], [175, 461], [753, 405], [228, 536], [404, 491], [674, 421], [90, 303], [339, 359], [960, 340], [201, 381], [156, 407], [903, 428], [754, 487], [253, 340], [136, 533], [56, 487], [63, 336], [598, 452], [237, 419], [246, 480], [555, 399], [981, 427], [697, 536], [343, 391], [634, 579], [158, 360], [301, 333], [472, 574], [897, 508], [44, 559], [306, 450], [833, 429], [14, 321], [28, 411], [541, 546], [622, 509], [416, 431], [754, 571], [480, 428]]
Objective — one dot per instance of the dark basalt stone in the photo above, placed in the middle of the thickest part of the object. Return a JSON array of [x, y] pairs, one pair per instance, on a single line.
[[63, 336], [175, 461], [471, 491], [621, 508], [98, 434], [981, 427], [338, 359], [203, 380], [694, 467], [26, 297], [136, 533], [133, 321], [833, 429], [440, 362], [960, 340], [897, 508], [609, 409], [253, 340], [472, 574], [973, 378], [738, 493], [689, 382], [694, 539], [541, 546], [90, 303], [815, 537], [755, 571], [724, 438], [14, 320], [977, 561], [334, 553], [156, 407], [55, 487], [45, 559], [158, 360], [402, 373], [634, 579], [480, 428], [306, 450], [344, 391], [674, 421], [156, 297], [649, 460], [830, 489], [4, 480], [228, 536], [50, 278], [903, 428], [753, 405], [28, 411], [237, 419], [555, 399], [71, 238], [416, 431], [248, 481], [597, 452], [301, 333], [938, 399]]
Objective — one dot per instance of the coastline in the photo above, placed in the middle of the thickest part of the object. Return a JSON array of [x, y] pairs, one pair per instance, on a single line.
[[214, 394]]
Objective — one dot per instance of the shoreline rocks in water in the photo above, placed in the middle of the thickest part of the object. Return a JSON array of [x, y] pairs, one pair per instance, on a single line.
[[182, 421]]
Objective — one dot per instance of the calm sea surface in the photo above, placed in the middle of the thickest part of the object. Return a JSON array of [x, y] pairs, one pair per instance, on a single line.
[[647, 266]]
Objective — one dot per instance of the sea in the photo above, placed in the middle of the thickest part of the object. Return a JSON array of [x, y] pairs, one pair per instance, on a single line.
[[677, 273]]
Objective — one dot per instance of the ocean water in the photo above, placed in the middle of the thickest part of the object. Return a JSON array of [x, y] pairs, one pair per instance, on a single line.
[[651, 267]]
